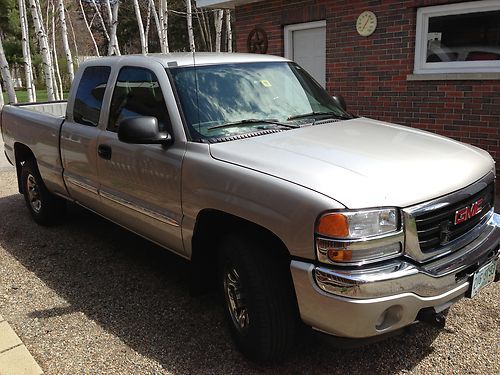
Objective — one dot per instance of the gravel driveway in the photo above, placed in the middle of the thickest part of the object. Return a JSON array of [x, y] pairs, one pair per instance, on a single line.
[[89, 297]]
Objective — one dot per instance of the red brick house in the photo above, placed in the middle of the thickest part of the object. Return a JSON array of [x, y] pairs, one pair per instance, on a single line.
[[430, 64]]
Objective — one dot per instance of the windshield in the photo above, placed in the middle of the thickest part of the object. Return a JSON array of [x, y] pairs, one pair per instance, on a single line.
[[235, 99]]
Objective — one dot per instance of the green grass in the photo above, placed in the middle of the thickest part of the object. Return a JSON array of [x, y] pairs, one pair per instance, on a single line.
[[22, 96]]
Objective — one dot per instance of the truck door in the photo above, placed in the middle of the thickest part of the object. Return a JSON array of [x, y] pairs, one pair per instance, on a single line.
[[140, 185], [79, 136]]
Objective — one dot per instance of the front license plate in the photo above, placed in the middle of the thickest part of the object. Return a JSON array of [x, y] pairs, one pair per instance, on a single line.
[[482, 277]]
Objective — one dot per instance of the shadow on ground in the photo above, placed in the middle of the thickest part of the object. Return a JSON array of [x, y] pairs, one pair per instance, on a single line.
[[139, 292]]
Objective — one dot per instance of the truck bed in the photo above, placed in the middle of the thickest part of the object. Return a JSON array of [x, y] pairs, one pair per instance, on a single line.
[[38, 126]]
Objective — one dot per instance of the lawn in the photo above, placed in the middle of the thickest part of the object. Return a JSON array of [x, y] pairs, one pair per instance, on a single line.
[[22, 96]]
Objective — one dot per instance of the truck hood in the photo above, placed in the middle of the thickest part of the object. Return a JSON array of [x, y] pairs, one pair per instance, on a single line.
[[362, 162]]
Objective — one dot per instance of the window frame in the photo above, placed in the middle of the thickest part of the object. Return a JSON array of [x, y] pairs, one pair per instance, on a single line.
[[423, 16]]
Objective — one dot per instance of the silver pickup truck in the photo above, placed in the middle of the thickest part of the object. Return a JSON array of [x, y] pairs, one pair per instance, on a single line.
[[296, 209]]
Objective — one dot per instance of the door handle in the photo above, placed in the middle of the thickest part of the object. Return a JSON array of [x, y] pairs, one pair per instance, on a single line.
[[104, 151]]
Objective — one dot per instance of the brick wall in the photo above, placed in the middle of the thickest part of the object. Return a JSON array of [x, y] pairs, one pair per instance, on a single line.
[[371, 72]]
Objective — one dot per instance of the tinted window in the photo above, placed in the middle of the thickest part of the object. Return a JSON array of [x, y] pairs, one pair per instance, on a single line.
[[88, 101], [137, 93]]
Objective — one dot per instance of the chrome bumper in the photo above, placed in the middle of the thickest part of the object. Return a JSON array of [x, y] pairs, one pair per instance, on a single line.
[[369, 301]]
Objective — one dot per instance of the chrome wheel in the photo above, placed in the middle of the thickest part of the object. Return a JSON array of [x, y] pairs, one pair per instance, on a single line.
[[33, 193], [236, 299]]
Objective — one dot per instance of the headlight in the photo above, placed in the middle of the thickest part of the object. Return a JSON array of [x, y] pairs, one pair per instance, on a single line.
[[357, 237], [358, 224]]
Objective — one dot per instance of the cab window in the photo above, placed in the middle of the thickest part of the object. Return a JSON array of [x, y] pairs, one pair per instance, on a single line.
[[137, 93], [88, 100]]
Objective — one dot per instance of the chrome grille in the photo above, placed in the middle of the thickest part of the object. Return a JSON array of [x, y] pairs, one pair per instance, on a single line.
[[437, 228]]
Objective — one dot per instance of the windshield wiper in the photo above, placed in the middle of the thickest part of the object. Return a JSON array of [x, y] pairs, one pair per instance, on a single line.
[[252, 121], [316, 113]]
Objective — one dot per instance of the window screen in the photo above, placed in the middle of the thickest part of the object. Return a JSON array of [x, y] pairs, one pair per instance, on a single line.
[[88, 101], [137, 93]]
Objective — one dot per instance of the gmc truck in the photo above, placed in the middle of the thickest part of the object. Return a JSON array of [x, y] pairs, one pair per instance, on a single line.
[[300, 212]]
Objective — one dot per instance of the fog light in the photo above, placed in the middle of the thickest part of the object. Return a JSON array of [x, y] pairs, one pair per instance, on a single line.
[[389, 318]]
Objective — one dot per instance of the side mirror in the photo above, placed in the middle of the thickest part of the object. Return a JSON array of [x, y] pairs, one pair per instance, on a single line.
[[340, 101], [142, 130]]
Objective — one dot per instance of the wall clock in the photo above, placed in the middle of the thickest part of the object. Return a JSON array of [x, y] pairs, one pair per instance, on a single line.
[[366, 23]]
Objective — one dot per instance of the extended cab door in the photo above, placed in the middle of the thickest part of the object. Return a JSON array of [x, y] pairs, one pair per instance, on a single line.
[[79, 136], [140, 185]]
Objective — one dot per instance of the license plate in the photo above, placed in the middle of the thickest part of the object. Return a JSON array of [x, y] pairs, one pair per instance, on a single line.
[[482, 277]]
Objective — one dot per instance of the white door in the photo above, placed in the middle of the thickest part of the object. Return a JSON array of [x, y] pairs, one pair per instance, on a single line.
[[305, 43]]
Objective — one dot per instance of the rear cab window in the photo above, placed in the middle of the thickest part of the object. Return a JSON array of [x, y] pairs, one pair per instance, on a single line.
[[89, 96]]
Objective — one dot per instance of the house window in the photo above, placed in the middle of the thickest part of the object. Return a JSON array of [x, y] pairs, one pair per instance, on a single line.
[[458, 38]]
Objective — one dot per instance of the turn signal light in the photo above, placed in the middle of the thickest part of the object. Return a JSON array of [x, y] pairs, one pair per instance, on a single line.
[[333, 225]]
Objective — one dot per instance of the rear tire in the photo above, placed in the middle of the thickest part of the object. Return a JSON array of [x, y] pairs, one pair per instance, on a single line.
[[44, 207], [259, 298]]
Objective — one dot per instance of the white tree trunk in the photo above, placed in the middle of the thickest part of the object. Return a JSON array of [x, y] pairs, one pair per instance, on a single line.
[[202, 30], [229, 31], [64, 32], [208, 33], [164, 26], [148, 22], [101, 19], [88, 28], [1, 95], [30, 86], [157, 23], [113, 48], [141, 26], [36, 14], [7, 79], [59, 91], [218, 29], [73, 36], [189, 17]]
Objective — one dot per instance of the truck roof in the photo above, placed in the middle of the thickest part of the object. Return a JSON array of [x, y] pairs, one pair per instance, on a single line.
[[170, 60]]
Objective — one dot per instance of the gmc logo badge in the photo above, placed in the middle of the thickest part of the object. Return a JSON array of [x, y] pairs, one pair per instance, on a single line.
[[466, 213]]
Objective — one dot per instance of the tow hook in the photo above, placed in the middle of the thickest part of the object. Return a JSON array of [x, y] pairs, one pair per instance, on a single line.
[[428, 315]]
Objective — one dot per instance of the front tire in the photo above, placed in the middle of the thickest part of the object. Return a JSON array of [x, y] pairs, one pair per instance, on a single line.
[[260, 303], [44, 207]]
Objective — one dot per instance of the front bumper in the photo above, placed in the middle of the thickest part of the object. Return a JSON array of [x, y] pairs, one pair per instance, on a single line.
[[369, 301]]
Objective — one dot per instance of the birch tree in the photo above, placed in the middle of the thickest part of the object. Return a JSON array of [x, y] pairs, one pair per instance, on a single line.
[[99, 15], [218, 29], [206, 26], [64, 34], [140, 25], [28, 72], [152, 6], [202, 29], [36, 14], [88, 27], [7, 79], [148, 22], [113, 48], [57, 73], [73, 35], [1, 95], [189, 18], [163, 18], [229, 31]]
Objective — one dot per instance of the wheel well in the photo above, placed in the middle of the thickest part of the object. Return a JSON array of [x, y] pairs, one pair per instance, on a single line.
[[211, 226], [22, 153]]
